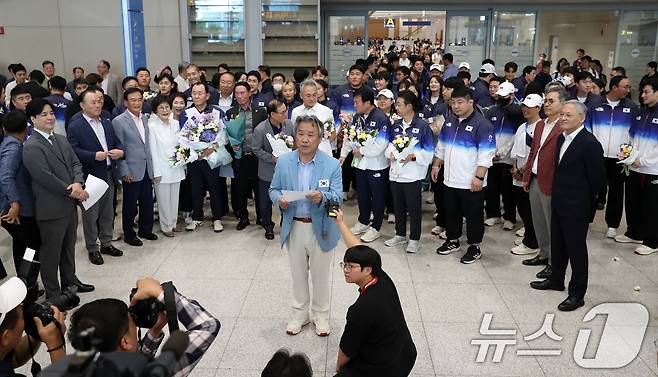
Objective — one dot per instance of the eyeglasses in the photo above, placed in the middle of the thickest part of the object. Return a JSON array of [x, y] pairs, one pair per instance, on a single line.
[[348, 267]]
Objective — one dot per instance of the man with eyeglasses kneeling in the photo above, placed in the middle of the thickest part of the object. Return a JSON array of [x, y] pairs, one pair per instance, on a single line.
[[372, 345]]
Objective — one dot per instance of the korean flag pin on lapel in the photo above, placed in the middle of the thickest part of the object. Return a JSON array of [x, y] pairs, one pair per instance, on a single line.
[[323, 183]]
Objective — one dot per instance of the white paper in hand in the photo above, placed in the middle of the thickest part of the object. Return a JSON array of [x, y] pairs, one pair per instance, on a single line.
[[293, 196], [95, 187]]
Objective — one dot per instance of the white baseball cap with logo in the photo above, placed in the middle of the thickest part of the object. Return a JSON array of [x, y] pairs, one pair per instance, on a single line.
[[488, 68], [505, 89], [465, 65], [12, 293], [533, 100], [438, 67], [386, 93]]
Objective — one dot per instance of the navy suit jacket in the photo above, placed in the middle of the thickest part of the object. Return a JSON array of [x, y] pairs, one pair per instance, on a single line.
[[85, 145]]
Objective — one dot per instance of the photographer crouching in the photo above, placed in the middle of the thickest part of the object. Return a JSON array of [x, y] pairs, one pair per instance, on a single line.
[[17, 349], [110, 327]]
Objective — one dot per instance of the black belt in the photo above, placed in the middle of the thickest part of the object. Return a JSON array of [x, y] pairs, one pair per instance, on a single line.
[[305, 220]]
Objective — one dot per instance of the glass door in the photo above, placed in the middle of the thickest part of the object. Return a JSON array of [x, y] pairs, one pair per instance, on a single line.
[[467, 35], [347, 43]]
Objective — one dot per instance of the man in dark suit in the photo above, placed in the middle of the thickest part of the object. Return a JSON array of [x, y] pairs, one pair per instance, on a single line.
[[245, 167], [57, 180], [136, 171], [98, 150], [579, 175]]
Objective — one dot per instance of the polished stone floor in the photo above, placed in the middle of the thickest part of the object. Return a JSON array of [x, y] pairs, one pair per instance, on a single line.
[[244, 281]]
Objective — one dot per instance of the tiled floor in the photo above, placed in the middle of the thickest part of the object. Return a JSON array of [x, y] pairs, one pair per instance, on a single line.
[[244, 280]]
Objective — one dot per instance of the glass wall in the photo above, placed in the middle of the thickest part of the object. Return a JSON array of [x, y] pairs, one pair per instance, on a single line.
[[466, 38], [637, 43], [217, 33], [346, 44], [513, 39], [290, 29]]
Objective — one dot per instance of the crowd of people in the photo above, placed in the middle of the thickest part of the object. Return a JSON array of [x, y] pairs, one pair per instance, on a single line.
[[556, 142]]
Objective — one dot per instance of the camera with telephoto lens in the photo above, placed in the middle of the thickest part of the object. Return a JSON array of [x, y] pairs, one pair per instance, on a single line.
[[33, 306], [145, 312], [332, 208]]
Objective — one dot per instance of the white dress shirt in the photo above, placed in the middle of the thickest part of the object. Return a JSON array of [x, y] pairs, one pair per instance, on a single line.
[[98, 129], [568, 138], [548, 127], [46, 135], [140, 126], [323, 113], [225, 103]]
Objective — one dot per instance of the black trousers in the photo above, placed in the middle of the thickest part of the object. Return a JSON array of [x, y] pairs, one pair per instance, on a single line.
[[57, 253], [23, 235], [523, 204], [265, 205], [246, 173], [462, 203], [569, 245], [137, 194], [439, 190], [408, 199], [371, 191], [642, 208], [616, 180], [185, 195], [202, 177], [223, 192], [349, 175], [499, 181]]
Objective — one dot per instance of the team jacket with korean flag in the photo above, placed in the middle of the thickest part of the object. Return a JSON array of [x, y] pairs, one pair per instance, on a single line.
[[463, 146], [416, 170], [373, 157], [644, 136], [505, 121], [344, 97], [611, 126]]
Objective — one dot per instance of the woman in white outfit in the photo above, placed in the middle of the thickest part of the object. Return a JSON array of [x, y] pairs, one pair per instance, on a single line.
[[166, 178]]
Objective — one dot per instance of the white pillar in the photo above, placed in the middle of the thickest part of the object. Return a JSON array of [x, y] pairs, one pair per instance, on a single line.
[[253, 35]]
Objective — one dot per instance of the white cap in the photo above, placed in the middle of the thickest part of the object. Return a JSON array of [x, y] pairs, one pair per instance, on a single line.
[[506, 88], [465, 65], [12, 293], [533, 100], [438, 67], [488, 68], [386, 93]]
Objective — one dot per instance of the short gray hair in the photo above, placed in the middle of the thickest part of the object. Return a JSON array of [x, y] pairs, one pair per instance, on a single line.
[[308, 82], [309, 118], [580, 107]]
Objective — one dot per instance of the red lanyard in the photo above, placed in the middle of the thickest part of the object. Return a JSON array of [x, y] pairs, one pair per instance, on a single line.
[[372, 282]]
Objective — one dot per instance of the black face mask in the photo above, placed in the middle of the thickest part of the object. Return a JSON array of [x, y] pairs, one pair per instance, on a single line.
[[502, 102]]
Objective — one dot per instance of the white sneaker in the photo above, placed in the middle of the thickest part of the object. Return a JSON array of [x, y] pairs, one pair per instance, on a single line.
[[413, 246], [193, 225], [371, 235], [217, 226], [187, 217], [295, 325], [390, 218], [523, 250], [621, 238], [437, 230], [359, 228], [492, 221], [508, 225], [644, 250], [518, 241], [443, 235], [322, 326], [397, 240], [611, 233], [520, 232]]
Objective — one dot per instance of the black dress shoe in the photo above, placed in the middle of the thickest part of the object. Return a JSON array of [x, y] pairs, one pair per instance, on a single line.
[[148, 236], [600, 206], [269, 235], [111, 251], [243, 224], [84, 288], [96, 258], [571, 303], [545, 273], [536, 261], [133, 241], [545, 285]]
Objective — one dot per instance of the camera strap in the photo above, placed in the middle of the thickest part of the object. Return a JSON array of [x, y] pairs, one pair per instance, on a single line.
[[170, 305]]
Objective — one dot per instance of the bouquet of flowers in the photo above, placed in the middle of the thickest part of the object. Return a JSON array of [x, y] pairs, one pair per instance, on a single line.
[[358, 136], [198, 134], [394, 117], [626, 156], [403, 145], [281, 144], [235, 131], [149, 95]]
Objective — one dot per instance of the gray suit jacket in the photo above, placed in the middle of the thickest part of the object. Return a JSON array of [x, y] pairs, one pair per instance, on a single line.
[[52, 168], [263, 150], [114, 89], [136, 159]]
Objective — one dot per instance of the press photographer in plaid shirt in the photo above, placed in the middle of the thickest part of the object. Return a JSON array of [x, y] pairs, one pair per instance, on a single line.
[[116, 329]]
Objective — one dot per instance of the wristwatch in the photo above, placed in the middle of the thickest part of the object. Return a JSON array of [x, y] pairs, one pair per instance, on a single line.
[[480, 178]]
